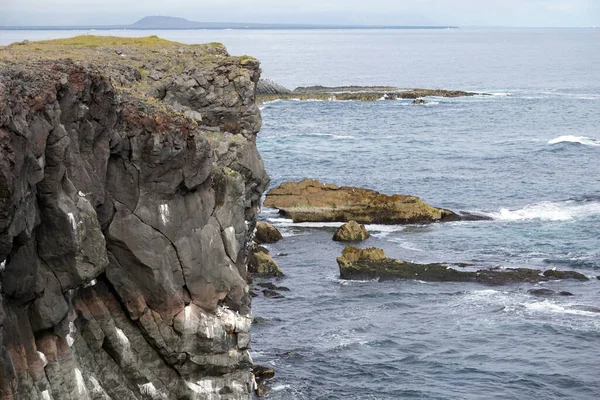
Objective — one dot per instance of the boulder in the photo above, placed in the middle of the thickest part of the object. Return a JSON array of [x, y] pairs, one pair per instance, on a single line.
[[260, 264], [372, 263], [261, 375], [351, 232], [313, 201], [266, 233]]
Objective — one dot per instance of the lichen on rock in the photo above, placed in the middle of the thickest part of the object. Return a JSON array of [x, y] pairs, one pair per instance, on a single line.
[[129, 187], [351, 232], [313, 201], [373, 264]]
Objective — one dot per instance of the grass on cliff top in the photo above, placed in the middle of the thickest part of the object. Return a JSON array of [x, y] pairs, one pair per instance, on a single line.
[[102, 41]]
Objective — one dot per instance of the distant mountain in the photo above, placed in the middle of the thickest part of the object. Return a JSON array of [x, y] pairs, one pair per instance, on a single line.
[[162, 22]]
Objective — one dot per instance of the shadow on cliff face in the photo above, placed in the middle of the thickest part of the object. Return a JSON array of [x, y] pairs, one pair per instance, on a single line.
[[125, 220]]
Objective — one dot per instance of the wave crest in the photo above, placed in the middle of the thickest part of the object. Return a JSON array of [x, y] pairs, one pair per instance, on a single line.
[[550, 211], [584, 140]]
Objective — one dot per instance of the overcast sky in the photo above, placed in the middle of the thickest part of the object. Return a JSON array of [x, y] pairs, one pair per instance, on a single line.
[[386, 12]]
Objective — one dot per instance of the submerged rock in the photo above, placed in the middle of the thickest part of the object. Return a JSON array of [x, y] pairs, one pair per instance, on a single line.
[[313, 201], [272, 294], [548, 293], [272, 286], [266, 233], [129, 185], [351, 232], [372, 263], [419, 101]]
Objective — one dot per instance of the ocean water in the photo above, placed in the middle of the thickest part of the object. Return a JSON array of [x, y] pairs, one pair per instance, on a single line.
[[527, 156]]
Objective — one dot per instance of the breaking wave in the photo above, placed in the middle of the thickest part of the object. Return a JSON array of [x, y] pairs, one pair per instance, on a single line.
[[550, 211], [586, 141]]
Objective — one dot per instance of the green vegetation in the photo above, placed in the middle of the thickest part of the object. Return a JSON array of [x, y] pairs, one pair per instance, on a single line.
[[102, 41]]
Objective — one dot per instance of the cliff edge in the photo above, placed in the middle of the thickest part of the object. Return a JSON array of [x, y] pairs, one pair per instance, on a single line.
[[129, 187]]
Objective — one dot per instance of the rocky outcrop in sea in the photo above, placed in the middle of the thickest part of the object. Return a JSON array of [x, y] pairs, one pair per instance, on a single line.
[[313, 201], [267, 90], [129, 187], [372, 263]]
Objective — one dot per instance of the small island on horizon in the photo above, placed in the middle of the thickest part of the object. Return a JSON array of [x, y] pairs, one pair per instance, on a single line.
[[166, 22]]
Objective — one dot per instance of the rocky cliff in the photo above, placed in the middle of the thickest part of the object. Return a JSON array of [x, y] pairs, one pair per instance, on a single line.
[[129, 187]]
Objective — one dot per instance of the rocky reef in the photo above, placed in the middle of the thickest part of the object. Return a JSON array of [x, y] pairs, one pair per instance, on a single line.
[[313, 201], [372, 263], [129, 187], [270, 91]]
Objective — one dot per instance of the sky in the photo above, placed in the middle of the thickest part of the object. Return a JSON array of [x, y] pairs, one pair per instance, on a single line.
[[534, 13]]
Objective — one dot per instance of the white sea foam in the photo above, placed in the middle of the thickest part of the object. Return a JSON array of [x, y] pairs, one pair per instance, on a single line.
[[278, 388], [331, 135], [548, 306], [550, 211], [584, 140], [405, 245]]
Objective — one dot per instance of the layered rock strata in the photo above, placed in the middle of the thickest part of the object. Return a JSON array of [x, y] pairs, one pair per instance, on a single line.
[[129, 187], [313, 201], [372, 263]]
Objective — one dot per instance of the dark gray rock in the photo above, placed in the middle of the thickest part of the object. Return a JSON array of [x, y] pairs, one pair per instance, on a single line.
[[125, 224], [548, 293], [267, 86]]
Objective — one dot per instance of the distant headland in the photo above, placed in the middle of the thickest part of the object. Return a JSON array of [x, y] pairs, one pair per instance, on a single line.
[[162, 22]]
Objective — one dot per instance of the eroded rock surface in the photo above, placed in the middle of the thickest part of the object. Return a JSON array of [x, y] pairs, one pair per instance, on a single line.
[[351, 232], [313, 201], [262, 265], [129, 186], [372, 263], [266, 233]]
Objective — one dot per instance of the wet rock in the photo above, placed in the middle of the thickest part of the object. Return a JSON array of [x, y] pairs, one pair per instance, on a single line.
[[565, 293], [351, 232], [262, 375], [266, 233], [259, 320], [556, 274], [372, 263], [313, 201], [272, 286], [548, 293], [272, 294], [419, 101]]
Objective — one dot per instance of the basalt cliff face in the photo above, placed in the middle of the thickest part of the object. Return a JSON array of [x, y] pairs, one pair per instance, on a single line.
[[129, 187]]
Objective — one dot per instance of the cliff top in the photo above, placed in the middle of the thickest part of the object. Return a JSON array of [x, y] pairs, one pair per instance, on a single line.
[[138, 66]]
